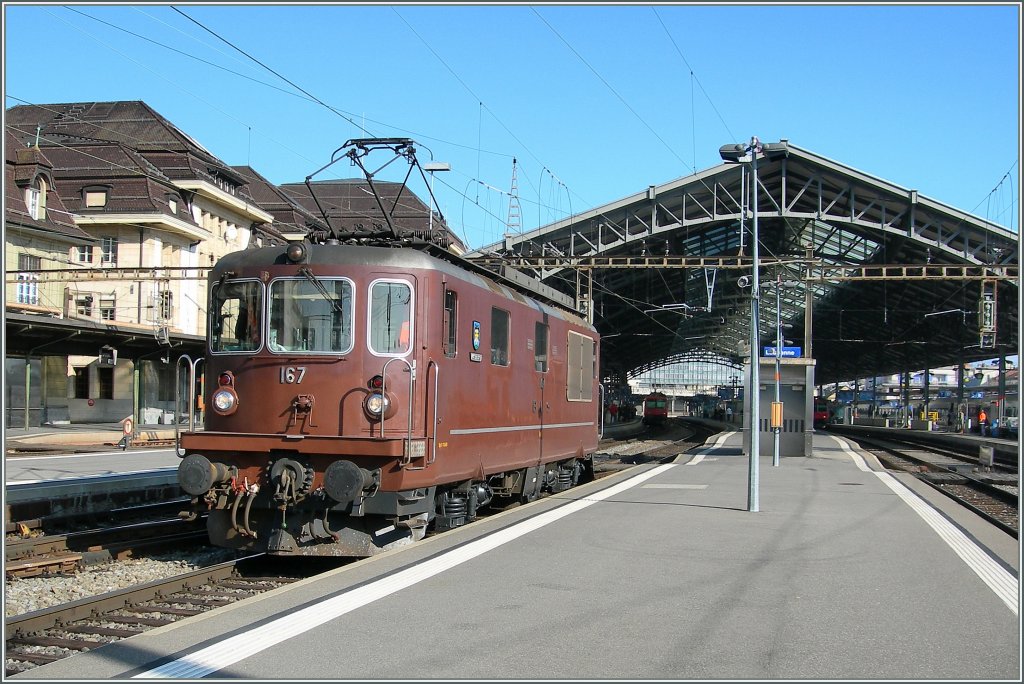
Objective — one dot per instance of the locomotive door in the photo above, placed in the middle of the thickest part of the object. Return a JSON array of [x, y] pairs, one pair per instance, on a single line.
[[540, 366], [540, 421]]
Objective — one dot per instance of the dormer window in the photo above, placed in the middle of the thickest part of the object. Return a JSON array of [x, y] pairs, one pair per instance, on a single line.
[[95, 199], [32, 201], [172, 205], [35, 199], [95, 196]]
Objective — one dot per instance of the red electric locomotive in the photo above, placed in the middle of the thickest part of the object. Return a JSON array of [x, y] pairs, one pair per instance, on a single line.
[[655, 409], [356, 395]]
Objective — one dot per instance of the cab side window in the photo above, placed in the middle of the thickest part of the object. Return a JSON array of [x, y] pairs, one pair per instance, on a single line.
[[450, 323], [540, 347], [390, 318], [499, 337]]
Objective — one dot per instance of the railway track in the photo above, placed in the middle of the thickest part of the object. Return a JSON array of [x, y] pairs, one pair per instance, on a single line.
[[654, 444], [994, 495], [47, 635], [41, 554], [61, 631]]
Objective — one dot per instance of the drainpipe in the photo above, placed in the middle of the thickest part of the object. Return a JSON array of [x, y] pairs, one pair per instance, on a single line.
[[139, 283]]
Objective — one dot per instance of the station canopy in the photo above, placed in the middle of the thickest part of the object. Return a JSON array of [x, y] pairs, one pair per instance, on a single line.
[[895, 281]]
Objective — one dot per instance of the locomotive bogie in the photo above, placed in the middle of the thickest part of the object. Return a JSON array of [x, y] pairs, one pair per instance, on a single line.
[[361, 394]]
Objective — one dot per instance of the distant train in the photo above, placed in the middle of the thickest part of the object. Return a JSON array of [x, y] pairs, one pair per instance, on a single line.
[[357, 395], [822, 412], [1004, 422], [655, 409]]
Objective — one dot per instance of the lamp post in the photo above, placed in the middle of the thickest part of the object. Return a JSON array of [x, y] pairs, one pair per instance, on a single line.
[[431, 167], [743, 153]]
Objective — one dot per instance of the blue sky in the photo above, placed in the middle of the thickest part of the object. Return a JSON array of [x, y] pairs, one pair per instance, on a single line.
[[596, 102]]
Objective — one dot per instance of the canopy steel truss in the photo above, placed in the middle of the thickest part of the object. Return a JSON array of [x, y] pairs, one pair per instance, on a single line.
[[875, 263]]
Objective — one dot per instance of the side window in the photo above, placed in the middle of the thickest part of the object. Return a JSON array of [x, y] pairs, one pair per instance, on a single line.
[[450, 323], [390, 328], [499, 337], [540, 347]]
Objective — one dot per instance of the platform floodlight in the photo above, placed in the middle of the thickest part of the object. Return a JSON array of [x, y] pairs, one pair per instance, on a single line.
[[737, 152]]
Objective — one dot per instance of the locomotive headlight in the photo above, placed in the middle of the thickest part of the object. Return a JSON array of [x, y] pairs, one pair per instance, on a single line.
[[296, 252], [376, 404], [225, 401]]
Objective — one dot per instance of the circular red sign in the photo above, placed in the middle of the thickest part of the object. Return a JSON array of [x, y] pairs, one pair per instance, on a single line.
[[92, 403]]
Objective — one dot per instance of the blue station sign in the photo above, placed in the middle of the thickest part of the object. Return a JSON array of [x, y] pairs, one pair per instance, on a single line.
[[787, 352]]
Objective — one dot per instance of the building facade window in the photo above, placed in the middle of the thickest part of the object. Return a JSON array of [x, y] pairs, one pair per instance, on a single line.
[[166, 305], [29, 262], [108, 249], [83, 304], [28, 288], [81, 382], [106, 382], [108, 307], [28, 283], [83, 254]]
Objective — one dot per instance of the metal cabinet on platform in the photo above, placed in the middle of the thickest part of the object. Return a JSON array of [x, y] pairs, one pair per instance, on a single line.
[[796, 392]]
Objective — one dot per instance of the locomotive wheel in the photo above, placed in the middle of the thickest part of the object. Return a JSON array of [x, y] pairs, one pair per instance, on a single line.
[[586, 470]]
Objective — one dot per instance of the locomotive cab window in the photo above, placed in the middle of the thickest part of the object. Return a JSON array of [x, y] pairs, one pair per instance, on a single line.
[[236, 322], [450, 323], [311, 316], [540, 348], [390, 318], [499, 337]]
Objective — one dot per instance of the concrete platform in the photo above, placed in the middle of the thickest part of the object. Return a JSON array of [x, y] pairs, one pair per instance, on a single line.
[[655, 572], [80, 436]]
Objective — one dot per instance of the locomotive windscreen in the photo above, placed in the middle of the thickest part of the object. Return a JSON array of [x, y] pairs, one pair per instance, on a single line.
[[237, 316], [311, 316]]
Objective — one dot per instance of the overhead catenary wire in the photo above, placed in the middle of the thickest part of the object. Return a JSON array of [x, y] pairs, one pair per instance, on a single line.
[[693, 77], [315, 99], [318, 100], [249, 128], [465, 85], [346, 115], [280, 76], [615, 92], [173, 82]]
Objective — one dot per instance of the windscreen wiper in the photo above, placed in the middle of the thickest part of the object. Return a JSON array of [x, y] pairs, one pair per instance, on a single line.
[[304, 270]]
